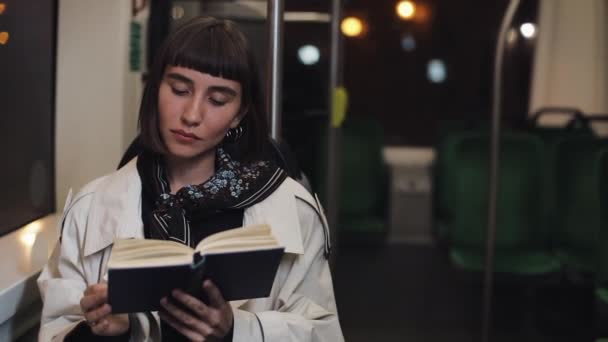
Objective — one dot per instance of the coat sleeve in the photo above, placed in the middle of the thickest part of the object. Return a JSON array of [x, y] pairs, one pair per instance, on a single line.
[[68, 273], [63, 279], [305, 309]]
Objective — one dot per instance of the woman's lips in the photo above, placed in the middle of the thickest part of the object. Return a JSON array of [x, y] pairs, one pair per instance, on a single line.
[[184, 137]]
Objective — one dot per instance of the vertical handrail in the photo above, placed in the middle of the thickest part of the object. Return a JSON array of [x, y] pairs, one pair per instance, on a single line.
[[275, 63], [494, 165], [332, 141]]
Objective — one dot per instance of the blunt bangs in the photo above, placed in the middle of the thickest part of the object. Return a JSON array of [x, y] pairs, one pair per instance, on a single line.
[[216, 49]]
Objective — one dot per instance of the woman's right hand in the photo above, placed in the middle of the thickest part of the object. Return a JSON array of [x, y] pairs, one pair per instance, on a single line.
[[98, 313]]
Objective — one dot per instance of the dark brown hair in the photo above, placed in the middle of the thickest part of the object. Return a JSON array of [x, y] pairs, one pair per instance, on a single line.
[[216, 47]]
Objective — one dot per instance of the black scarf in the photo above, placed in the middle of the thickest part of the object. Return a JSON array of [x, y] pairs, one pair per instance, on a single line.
[[234, 186]]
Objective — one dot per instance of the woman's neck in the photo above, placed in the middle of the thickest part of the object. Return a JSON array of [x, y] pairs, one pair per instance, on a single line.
[[182, 172]]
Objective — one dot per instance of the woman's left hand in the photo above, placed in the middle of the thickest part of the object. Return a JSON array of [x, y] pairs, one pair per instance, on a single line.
[[205, 322]]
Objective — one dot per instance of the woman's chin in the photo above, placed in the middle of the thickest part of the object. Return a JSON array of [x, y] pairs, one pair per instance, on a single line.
[[185, 152]]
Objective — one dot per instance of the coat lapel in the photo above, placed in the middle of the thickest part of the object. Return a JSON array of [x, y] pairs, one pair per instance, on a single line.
[[279, 210], [115, 211]]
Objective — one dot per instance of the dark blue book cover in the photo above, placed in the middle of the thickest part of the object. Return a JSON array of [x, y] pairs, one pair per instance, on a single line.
[[238, 275]]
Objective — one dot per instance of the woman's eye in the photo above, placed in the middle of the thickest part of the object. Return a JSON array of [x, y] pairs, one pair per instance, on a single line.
[[179, 92], [216, 102]]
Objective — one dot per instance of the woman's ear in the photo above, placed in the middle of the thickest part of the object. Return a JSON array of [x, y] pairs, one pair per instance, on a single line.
[[240, 116]]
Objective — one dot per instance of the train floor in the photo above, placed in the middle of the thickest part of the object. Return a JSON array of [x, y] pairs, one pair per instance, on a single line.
[[412, 293]]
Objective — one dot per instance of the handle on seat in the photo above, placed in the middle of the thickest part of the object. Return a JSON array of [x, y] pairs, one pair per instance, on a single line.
[[578, 117]]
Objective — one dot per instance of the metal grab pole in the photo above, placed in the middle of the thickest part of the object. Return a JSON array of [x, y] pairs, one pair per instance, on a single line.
[[275, 61], [332, 141], [494, 164]]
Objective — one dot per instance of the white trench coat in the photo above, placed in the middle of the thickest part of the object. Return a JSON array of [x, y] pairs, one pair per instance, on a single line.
[[301, 306]]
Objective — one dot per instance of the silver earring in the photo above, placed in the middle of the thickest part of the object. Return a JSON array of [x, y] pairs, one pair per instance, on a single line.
[[234, 134]]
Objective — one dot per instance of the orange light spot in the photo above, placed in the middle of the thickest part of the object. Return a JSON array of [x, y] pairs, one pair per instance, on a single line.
[[4, 37], [352, 26], [406, 9]]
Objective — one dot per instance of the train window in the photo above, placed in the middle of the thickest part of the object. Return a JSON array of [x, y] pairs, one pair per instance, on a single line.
[[27, 71], [391, 75]]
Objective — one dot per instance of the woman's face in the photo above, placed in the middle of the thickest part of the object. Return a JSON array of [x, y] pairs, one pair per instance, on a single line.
[[196, 110]]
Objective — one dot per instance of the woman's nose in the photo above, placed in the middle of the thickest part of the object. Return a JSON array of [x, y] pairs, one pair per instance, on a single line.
[[192, 114]]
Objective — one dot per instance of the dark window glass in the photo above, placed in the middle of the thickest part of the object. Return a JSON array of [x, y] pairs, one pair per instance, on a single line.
[[27, 83]]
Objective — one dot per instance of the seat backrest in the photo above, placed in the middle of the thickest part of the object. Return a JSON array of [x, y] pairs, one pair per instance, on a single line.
[[577, 190], [363, 178], [519, 191], [578, 126], [444, 163]]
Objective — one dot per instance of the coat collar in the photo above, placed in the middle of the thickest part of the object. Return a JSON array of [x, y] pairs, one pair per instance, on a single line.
[[279, 210], [115, 212]]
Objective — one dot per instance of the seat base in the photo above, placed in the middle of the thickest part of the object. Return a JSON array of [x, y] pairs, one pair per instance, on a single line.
[[514, 262], [602, 294], [581, 261]]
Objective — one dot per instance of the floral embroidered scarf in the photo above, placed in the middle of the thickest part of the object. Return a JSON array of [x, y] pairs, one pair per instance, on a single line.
[[235, 185]]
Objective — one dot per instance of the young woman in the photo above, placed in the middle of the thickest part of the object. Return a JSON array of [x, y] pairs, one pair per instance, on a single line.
[[202, 170]]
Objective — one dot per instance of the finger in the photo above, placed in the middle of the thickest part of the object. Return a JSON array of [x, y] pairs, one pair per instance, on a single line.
[[101, 328], [181, 328], [186, 319], [90, 302], [95, 288], [96, 315], [192, 303], [215, 296]]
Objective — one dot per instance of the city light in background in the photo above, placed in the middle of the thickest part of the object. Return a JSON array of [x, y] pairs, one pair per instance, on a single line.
[[436, 71], [528, 30], [4, 36], [309, 54], [406, 10], [408, 42], [352, 27]]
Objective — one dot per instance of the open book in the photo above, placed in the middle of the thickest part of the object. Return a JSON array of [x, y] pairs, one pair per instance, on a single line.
[[242, 262]]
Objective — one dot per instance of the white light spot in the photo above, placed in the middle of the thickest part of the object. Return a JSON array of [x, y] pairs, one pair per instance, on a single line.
[[309, 54], [408, 43], [436, 71], [528, 30], [28, 234]]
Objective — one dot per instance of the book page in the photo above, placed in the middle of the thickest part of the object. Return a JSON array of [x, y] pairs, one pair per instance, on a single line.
[[249, 233], [174, 260], [239, 245], [148, 252]]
